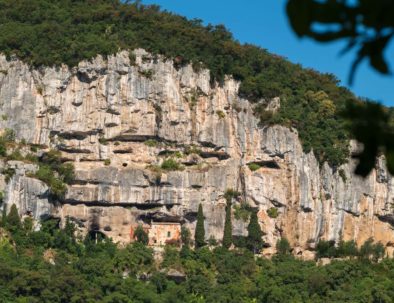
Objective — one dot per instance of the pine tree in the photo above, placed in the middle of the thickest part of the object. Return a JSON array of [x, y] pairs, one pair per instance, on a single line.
[[199, 236], [255, 242], [228, 234], [185, 236], [13, 219]]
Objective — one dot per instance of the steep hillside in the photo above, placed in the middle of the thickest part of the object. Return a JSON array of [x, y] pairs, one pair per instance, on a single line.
[[56, 32]]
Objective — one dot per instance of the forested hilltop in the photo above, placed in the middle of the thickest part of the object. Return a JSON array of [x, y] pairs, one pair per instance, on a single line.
[[55, 32]]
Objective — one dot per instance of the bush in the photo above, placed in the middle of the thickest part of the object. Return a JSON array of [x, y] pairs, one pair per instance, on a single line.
[[55, 173], [231, 194], [171, 164], [147, 73], [151, 143], [273, 212], [107, 162], [253, 166], [242, 212], [9, 135], [221, 114], [103, 141]]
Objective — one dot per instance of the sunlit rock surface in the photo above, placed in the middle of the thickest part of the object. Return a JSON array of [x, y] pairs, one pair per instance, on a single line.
[[118, 121]]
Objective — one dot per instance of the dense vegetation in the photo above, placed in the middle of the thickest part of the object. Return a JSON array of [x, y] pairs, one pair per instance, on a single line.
[[52, 32], [51, 169], [53, 266]]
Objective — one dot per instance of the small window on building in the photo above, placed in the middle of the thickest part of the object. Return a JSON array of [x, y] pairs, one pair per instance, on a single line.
[[155, 241], [168, 234]]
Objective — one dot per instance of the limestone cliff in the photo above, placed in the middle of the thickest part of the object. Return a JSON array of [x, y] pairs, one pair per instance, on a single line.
[[117, 120]]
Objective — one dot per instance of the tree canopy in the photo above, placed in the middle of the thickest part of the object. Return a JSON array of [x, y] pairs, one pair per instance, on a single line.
[[53, 266], [55, 32]]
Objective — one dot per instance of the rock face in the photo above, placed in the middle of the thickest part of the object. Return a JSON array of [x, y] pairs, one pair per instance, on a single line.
[[118, 121]]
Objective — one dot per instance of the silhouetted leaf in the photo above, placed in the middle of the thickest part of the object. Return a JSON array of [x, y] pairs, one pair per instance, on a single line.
[[299, 12]]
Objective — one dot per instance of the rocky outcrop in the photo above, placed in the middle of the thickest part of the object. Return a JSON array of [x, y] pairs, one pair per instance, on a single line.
[[118, 121]]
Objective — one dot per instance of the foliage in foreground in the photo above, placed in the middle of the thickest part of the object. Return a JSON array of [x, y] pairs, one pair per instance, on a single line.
[[52, 266], [55, 32]]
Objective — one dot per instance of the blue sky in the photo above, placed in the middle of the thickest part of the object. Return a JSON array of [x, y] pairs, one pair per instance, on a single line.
[[264, 23]]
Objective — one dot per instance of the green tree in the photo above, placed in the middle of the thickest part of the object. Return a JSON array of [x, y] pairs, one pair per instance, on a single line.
[[199, 235], [140, 235], [228, 233], [13, 219], [185, 236], [283, 246], [255, 241]]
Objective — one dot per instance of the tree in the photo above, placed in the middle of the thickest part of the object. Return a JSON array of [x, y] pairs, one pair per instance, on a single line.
[[13, 220], [254, 239], [199, 236], [283, 246], [140, 235], [228, 233], [185, 236]]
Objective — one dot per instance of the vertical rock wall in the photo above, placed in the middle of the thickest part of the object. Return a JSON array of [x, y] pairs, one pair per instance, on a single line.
[[118, 121]]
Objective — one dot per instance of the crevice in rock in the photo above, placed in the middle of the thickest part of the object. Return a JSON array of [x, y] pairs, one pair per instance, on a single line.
[[190, 216], [113, 111], [73, 150], [350, 212], [133, 138], [111, 124], [139, 206], [306, 209], [266, 163], [159, 217], [77, 135], [214, 154], [207, 144], [123, 151], [388, 218], [276, 203]]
